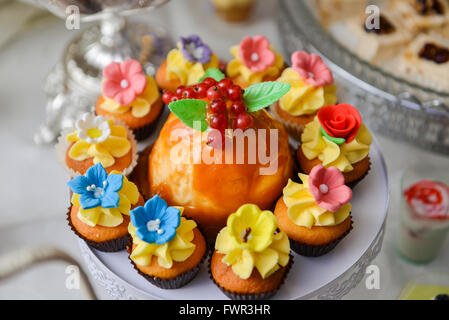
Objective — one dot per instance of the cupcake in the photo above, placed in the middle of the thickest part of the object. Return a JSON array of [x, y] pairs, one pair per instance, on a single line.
[[336, 137], [312, 87], [165, 248], [100, 208], [315, 214], [93, 140], [130, 96], [255, 60], [233, 10], [187, 64], [193, 165], [251, 259]]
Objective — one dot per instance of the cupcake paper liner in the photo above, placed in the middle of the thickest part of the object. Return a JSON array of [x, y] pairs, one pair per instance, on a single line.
[[62, 145], [171, 283], [139, 176], [113, 245], [354, 183], [145, 131], [241, 296], [307, 250], [293, 129]]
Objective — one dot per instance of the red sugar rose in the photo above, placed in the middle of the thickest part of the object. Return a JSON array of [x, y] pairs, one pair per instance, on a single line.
[[340, 121]]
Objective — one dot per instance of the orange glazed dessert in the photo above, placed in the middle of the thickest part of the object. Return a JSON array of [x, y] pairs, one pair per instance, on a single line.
[[238, 162]]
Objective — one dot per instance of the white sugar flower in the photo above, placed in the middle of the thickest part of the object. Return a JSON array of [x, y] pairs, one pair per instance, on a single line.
[[93, 129]]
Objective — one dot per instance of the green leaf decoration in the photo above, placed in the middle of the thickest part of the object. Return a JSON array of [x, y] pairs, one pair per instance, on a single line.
[[213, 73], [189, 111], [261, 95], [333, 139]]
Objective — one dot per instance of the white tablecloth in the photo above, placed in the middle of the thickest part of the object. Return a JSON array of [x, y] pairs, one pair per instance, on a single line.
[[34, 197]]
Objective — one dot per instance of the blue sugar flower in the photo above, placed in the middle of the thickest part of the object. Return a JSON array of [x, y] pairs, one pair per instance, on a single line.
[[195, 50], [155, 222], [96, 188]]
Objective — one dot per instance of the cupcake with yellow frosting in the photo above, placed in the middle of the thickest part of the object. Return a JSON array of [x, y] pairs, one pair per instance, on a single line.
[[254, 60], [100, 208], [165, 248], [251, 258], [315, 214], [186, 64], [130, 96], [233, 10], [312, 87], [93, 140], [337, 137]]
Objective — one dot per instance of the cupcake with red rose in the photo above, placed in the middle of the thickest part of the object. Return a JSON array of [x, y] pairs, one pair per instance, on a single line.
[[254, 60], [165, 248], [312, 87], [337, 137], [130, 96], [186, 64], [316, 213], [100, 208], [251, 258]]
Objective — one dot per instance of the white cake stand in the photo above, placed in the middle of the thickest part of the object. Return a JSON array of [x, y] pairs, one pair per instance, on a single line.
[[328, 277]]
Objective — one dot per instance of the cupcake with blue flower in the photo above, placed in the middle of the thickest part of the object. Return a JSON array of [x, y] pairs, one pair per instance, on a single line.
[[186, 64], [165, 247], [101, 205]]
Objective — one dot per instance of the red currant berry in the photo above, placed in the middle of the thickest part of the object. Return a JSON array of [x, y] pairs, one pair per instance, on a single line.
[[219, 121], [235, 92], [216, 139], [238, 107], [224, 84], [179, 91], [209, 82], [188, 93], [167, 96], [214, 92], [201, 90], [218, 106], [174, 99], [244, 121]]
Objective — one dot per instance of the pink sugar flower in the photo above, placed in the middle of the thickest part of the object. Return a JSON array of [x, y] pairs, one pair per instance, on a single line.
[[327, 186], [256, 54], [123, 81], [312, 69]]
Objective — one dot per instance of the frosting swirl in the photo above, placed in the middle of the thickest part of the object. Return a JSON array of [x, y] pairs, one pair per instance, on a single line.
[[343, 156], [304, 98], [140, 106], [303, 209], [178, 249], [249, 241], [188, 73]]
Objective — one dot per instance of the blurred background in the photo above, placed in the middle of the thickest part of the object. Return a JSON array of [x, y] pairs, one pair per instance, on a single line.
[[34, 197]]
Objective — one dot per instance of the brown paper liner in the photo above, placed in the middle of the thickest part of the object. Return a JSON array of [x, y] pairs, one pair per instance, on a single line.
[[171, 283], [140, 173], [307, 250], [241, 296], [144, 132], [113, 245]]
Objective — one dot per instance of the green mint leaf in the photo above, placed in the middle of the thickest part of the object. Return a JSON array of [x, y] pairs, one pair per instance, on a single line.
[[189, 111], [261, 95], [213, 73], [333, 139]]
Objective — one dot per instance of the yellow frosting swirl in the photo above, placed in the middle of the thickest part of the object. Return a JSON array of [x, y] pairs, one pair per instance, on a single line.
[[116, 145], [188, 73], [141, 106], [179, 249], [109, 217], [315, 145], [304, 99], [236, 67], [248, 241], [304, 211]]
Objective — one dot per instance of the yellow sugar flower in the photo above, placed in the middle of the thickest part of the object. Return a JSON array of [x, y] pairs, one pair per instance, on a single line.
[[99, 139]]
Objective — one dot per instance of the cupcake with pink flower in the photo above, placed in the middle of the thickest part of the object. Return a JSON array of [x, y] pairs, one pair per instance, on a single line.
[[130, 96], [254, 60], [316, 213], [312, 87]]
